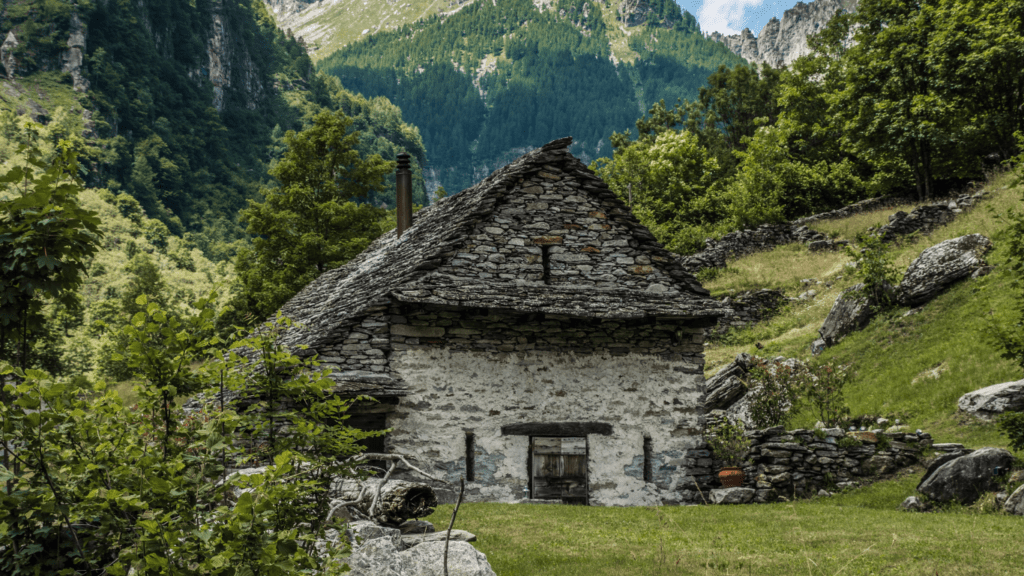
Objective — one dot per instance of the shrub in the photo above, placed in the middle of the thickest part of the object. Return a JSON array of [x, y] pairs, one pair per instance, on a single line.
[[824, 390], [1011, 425], [98, 487], [729, 443], [774, 393], [848, 442], [875, 269]]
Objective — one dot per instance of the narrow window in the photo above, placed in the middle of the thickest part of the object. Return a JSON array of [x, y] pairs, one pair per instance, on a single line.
[[648, 464], [545, 258], [470, 457]]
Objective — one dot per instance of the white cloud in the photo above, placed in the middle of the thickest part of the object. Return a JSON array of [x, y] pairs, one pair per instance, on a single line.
[[725, 16]]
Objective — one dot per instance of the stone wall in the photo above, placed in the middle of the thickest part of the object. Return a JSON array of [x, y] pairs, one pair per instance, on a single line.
[[767, 236], [798, 463], [748, 308], [554, 212], [453, 392]]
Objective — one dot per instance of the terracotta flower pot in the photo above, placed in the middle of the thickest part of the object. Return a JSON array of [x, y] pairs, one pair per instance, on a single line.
[[731, 477]]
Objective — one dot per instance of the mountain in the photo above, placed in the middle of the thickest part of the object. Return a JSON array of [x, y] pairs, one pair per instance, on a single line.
[[182, 104], [783, 41], [493, 79]]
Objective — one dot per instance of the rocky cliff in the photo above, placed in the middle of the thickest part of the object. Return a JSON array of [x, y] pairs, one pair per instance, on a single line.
[[783, 41]]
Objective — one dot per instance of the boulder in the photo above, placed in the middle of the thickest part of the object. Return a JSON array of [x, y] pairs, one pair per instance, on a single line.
[[416, 527], [992, 401], [941, 265], [732, 495], [410, 540], [1015, 503], [850, 313], [912, 504], [428, 560], [379, 557], [363, 531], [726, 386], [966, 478]]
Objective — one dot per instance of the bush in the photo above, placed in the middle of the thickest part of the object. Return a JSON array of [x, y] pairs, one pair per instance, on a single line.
[[729, 443], [98, 487], [824, 390], [875, 269], [774, 393], [1011, 425]]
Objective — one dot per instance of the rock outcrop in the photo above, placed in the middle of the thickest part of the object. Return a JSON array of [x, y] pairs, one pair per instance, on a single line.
[[726, 387], [940, 266], [72, 59], [7, 57], [851, 312], [783, 41], [966, 478], [991, 401]]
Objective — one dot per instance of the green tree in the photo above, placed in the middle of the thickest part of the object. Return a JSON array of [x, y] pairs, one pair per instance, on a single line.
[[310, 222], [891, 102], [666, 182], [46, 242]]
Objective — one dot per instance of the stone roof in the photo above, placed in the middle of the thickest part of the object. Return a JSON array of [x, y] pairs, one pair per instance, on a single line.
[[481, 249], [405, 268]]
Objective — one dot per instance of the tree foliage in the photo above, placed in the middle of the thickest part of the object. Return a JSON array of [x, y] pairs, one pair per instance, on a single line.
[[309, 223], [104, 488], [46, 241]]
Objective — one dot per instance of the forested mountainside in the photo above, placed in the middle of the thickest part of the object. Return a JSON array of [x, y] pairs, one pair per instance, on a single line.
[[183, 104], [493, 79]]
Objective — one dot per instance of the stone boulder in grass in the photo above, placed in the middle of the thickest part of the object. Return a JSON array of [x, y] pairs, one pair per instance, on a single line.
[[851, 312], [966, 478], [991, 401], [940, 266]]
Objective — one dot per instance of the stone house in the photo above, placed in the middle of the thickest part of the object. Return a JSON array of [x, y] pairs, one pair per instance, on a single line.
[[527, 334]]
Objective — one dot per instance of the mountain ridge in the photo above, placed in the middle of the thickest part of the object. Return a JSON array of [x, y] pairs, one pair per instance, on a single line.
[[783, 41]]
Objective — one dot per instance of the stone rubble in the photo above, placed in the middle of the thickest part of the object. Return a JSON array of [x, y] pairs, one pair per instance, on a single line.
[[383, 551], [749, 308]]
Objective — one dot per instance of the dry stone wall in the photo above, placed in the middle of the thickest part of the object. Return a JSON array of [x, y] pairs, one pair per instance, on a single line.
[[748, 308], [798, 463], [923, 219]]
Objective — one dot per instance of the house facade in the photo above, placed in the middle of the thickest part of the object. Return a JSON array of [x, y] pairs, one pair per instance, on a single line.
[[527, 334]]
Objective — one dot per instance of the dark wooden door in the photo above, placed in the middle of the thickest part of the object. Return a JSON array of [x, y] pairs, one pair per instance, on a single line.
[[559, 469]]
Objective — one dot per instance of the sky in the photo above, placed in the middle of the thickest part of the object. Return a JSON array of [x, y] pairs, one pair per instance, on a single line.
[[731, 16]]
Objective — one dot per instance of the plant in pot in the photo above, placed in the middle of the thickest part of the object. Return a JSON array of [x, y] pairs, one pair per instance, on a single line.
[[730, 444]]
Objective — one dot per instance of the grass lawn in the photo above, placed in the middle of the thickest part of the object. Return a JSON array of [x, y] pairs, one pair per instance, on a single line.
[[856, 533]]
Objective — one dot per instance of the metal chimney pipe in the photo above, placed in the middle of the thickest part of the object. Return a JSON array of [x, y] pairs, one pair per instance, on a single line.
[[403, 193]]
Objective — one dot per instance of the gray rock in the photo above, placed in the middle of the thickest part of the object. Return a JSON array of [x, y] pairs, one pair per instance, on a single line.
[[732, 495], [726, 386], [782, 41], [379, 557], [940, 266], [410, 540], [428, 560], [912, 504], [824, 493], [966, 478], [416, 527], [363, 531], [1015, 503], [850, 313], [992, 401]]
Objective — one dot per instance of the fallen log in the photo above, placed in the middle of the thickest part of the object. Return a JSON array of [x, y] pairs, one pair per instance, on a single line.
[[393, 503]]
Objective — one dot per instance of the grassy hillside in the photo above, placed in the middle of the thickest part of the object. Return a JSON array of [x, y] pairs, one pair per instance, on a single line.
[[913, 366]]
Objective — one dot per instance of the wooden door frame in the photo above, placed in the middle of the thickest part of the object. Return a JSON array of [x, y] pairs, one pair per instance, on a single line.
[[529, 462]]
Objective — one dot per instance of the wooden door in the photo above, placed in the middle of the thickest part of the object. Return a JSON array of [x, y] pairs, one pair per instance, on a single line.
[[559, 469]]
